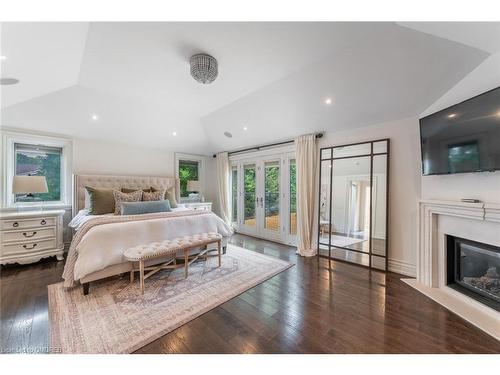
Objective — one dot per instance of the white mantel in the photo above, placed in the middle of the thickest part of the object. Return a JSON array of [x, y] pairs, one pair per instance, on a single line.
[[474, 221]]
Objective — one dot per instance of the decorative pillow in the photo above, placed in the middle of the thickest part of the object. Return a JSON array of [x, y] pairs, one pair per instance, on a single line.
[[101, 201], [154, 196], [120, 197], [139, 208], [128, 190], [170, 195]]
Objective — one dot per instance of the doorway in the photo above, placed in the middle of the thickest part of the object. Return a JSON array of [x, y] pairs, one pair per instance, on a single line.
[[263, 187]]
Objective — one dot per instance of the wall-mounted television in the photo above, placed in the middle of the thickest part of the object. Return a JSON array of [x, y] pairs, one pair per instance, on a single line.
[[464, 137]]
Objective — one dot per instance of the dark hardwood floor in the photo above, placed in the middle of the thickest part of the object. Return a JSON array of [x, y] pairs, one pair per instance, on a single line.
[[306, 309]]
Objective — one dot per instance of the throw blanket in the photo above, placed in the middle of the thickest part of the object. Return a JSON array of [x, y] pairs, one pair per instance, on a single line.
[[102, 240]]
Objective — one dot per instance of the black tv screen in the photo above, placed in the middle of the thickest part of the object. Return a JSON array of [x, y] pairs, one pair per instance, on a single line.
[[464, 137]]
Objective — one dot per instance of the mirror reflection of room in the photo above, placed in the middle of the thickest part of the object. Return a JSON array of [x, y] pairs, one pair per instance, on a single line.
[[352, 217]]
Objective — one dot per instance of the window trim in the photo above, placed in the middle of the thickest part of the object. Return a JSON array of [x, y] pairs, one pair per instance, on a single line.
[[201, 160], [9, 138]]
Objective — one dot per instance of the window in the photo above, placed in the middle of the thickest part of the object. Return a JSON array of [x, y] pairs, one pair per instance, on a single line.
[[188, 171], [35, 155], [37, 160], [189, 168]]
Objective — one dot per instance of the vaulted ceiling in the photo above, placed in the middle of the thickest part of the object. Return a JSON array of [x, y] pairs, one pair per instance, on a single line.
[[273, 78]]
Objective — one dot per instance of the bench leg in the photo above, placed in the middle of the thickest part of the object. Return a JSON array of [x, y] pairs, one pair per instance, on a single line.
[[219, 252], [186, 263], [86, 287], [141, 272]]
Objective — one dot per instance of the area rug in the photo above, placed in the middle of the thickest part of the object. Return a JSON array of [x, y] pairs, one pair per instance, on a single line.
[[116, 318]]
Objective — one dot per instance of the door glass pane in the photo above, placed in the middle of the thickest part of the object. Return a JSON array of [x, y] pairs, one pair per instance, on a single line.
[[324, 202], [234, 194], [293, 197], [272, 195], [351, 204], [249, 194]]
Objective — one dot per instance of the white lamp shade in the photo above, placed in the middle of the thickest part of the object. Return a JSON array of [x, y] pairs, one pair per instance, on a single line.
[[29, 184], [193, 186]]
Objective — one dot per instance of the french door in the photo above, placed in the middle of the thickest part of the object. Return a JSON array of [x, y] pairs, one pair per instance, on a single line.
[[263, 197]]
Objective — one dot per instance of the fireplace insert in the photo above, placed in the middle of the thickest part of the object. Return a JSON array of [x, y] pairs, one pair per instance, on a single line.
[[474, 270]]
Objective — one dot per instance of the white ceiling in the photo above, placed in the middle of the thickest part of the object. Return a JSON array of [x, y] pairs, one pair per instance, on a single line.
[[45, 57], [273, 78]]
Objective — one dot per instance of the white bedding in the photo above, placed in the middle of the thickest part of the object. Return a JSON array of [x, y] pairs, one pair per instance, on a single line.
[[103, 245]]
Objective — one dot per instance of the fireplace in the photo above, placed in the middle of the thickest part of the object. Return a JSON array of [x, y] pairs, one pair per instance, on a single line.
[[473, 268]]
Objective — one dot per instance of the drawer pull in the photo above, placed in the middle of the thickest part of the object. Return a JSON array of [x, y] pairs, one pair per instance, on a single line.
[[29, 248], [15, 225], [29, 235], [43, 222]]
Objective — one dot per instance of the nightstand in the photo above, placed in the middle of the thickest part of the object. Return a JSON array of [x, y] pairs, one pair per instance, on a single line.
[[27, 237], [207, 206]]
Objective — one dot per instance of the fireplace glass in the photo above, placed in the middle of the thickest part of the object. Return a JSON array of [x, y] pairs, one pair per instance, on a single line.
[[474, 269]]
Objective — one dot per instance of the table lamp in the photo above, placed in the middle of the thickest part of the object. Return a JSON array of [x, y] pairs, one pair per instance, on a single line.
[[195, 187], [29, 185]]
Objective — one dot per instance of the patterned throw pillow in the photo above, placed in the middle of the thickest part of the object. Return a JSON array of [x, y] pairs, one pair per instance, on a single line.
[[154, 196], [120, 197], [169, 195]]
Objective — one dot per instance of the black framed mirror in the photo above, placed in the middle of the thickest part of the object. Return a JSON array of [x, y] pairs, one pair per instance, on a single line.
[[353, 214]]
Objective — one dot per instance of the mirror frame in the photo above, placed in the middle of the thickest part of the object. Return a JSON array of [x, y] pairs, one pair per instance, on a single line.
[[332, 159]]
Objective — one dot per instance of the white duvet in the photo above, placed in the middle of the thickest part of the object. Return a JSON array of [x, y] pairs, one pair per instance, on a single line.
[[103, 245]]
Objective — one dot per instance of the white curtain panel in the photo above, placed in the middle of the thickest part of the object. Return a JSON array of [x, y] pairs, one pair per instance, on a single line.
[[306, 160], [223, 173]]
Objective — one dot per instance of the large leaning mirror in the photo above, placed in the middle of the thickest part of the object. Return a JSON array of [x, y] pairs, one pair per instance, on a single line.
[[353, 203]]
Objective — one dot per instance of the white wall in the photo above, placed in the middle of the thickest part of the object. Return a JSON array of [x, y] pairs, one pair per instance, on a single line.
[[404, 184], [100, 157], [486, 185]]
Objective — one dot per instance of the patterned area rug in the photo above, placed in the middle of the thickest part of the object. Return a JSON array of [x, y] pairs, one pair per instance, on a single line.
[[115, 318]]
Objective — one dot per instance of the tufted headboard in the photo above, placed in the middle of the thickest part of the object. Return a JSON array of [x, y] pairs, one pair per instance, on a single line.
[[117, 182]]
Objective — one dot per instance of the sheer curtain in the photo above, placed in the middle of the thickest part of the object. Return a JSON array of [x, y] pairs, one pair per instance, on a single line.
[[306, 161], [223, 174]]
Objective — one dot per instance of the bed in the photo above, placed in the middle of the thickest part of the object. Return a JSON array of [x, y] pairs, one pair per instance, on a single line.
[[99, 241]]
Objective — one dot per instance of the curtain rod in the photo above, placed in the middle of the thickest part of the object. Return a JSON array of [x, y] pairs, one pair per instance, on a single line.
[[257, 148]]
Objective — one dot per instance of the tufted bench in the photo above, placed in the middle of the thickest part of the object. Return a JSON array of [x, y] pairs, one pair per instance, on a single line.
[[167, 248]]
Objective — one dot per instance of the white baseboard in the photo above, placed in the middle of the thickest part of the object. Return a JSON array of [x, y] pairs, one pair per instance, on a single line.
[[402, 267]]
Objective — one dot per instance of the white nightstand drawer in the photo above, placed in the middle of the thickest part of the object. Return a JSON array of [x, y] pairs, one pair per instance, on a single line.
[[23, 248], [28, 223], [28, 235]]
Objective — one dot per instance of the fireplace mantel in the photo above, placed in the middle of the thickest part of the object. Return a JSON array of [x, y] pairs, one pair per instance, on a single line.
[[429, 210], [474, 221]]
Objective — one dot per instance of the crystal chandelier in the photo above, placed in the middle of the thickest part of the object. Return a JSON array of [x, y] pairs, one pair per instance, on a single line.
[[204, 68]]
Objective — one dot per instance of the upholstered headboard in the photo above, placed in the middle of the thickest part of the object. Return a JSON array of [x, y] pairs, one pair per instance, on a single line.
[[117, 182]]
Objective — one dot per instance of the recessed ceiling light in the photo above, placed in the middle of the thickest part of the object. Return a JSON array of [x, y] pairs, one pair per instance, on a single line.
[[245, 128], [174, 134], [94, 117], [8, 81], [328, 101], [452, 115], [498, 114], [2, 58]]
